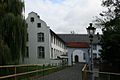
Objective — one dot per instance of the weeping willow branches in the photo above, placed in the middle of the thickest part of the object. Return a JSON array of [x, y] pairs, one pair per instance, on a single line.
[[12, 28]]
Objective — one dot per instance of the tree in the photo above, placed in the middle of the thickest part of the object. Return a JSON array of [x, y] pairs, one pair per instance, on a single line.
[[110, 40], [5, 57], [13, 28]]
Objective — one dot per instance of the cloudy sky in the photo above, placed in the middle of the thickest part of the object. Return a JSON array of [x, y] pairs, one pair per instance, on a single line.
[[64, 16]]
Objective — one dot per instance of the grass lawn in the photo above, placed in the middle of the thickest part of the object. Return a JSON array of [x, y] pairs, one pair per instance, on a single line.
[[47, 70]]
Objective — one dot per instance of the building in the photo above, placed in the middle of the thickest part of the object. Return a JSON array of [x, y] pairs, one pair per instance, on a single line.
[[43, 45], [79, 48], [46, 47]]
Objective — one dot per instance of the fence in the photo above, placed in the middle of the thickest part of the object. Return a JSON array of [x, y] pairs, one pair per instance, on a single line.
[[18, 72], [86, 75]]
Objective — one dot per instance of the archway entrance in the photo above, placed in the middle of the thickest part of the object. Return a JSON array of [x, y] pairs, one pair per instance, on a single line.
[[76, 59]]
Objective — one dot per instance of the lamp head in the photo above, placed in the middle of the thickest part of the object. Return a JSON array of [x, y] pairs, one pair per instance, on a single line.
[[91, 30]]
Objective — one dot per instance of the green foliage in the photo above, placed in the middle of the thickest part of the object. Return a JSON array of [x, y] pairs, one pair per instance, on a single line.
[[5, 57], [13, 28], [110, 40], [11, 6]]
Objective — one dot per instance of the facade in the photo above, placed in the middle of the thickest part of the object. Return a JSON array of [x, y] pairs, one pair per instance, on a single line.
[[46, 47], [43, 45], [77, 52], [79, 48]]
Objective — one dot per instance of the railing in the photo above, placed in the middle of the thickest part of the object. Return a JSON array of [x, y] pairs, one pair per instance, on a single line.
[[84, 72], [18, 72], [86, 75]]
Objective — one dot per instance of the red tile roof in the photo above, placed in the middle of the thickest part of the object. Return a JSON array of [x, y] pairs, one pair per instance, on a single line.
[[77, 44]]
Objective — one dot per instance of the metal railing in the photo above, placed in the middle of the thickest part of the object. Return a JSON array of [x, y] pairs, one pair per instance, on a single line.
[[86, 74], [17, 72]]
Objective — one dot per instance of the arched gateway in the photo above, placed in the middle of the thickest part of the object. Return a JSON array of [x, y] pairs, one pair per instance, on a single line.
[[76, 58]]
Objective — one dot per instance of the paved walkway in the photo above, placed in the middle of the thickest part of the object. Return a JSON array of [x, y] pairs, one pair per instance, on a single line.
[[71, 73]]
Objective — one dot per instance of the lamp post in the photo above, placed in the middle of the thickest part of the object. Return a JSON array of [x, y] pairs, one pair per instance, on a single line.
[[72, 59], [91, 31]]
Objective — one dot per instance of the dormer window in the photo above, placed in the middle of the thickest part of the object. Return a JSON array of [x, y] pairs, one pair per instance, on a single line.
[[39, 25], [32, 19]]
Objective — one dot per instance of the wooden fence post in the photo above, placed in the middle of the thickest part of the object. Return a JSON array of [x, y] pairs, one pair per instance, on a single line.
[[15, 71]]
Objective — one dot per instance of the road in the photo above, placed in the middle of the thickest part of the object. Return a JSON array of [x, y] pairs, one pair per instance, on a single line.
[[70, 73]]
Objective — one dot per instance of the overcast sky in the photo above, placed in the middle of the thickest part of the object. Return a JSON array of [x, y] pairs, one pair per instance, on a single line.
[[64, 16]]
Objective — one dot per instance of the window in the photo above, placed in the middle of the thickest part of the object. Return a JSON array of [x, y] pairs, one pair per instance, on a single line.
[[27, 52], [54, 39], [94, 47], [54, 52], [32, 19], [39, 25], [41, 52], [84, 56], [51, 39], [27, 37], [40, 37], [51, 52]]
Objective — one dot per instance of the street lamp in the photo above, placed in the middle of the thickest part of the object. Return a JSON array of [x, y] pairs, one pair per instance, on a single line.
[[91, 31]]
